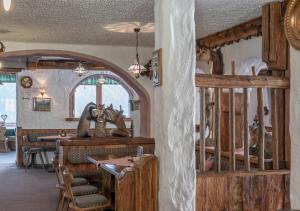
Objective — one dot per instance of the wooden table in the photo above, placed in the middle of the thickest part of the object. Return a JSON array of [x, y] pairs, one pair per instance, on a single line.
[[135, 183], [52, 142]]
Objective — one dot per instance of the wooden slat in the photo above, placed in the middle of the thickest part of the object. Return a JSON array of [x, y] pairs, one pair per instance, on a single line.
[[274, 110], [218, 129], [202, 130], [238, 81], [232, 128], [245, 30], [232, 124], [261, 129], [246, 131]]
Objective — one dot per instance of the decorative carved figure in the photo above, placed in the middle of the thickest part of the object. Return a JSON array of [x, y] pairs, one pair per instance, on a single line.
[[213, 58], [101, 115], [116, 117]]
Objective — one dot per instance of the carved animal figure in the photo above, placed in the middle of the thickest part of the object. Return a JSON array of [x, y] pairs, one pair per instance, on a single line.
[[213, 58], [115, 117], [85, 119], [254, 142]]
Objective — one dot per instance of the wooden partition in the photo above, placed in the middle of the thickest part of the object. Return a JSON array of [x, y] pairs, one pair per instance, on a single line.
[[240, 181], [42, 132], [73, 153], [247, 191]]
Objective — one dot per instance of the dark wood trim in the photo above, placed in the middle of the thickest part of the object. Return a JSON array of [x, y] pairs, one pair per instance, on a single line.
[[244, 173], [238, 81], [10, 70], [247, 30], [62, 65], [94, 141]]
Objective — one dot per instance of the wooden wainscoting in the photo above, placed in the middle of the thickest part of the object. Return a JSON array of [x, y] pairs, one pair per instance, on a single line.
[[263, 191]]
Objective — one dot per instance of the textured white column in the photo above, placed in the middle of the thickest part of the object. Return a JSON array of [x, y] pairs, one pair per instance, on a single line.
[[174, 104], [295, 128]]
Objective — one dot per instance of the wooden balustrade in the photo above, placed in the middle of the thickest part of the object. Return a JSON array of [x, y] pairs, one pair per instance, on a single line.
[[232, 82]]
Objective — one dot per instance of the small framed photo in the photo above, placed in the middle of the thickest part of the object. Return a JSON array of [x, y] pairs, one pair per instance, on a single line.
[[157, 68], [42, 104]]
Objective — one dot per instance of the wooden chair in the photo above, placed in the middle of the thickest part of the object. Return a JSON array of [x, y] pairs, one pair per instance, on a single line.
[[84, 202], [80, 186], [30, 152], [3, 138]]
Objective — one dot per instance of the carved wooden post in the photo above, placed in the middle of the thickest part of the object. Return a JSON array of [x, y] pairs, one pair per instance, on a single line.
[[202, 130], [232, 124], [274, 117], [218, 129]]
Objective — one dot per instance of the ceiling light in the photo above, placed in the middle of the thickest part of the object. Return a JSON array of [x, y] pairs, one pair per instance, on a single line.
[[127, 27], [6, 5], [80, 70], [136, 68], [101, 80]]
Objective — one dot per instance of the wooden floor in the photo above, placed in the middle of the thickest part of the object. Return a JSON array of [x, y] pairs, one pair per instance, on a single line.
[[20, 191]]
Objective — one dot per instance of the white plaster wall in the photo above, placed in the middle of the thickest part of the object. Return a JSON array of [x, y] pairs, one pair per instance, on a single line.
[[295, 128], [175, 105], [121, 56], [241, 51]]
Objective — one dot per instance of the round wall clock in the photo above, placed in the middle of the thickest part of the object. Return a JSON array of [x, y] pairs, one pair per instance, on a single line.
[[26, 82], [292, 23]]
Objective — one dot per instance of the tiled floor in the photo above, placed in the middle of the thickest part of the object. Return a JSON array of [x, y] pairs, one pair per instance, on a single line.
[[20, 191]]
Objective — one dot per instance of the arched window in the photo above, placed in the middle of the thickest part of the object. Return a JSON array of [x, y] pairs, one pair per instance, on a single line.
[[90, 89]]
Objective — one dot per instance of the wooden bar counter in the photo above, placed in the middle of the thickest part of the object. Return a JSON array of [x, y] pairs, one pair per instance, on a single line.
[[74, 152]]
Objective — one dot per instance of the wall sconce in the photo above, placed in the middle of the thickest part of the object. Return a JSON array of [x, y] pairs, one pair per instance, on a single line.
[[42, 92]]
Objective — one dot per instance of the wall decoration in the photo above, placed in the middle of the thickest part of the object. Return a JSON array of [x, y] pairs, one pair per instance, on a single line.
[[157, 67], [26, 82], [42, 104], [134, 105], [292, 23]]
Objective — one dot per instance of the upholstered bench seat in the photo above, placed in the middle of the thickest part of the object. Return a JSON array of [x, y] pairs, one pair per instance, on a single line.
[[91, 200], [79, 181], [84, 190]]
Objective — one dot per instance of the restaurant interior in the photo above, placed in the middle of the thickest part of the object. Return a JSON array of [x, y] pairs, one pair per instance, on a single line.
[[148, 105]]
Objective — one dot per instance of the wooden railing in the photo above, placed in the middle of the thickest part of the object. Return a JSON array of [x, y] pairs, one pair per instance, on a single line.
[[231, 82]]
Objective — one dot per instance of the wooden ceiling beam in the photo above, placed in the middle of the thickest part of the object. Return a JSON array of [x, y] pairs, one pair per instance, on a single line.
[[61, 65], [252, 28]]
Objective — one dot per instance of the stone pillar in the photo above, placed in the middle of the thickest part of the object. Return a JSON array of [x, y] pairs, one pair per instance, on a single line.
[[295, 128], [175, 104]]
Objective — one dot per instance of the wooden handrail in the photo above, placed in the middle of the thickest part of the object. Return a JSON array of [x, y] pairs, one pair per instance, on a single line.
[[241, 81]]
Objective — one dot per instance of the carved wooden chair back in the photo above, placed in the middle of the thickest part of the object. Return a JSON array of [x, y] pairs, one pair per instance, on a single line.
[[3, 138], [2, 133], [57, 171], [68, 180]]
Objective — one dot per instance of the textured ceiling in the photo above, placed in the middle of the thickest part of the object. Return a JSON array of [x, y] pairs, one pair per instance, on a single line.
[[86, 21], [216, 15]]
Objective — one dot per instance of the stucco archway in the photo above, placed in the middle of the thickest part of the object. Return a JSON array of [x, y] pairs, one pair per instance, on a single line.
[[145, 109]]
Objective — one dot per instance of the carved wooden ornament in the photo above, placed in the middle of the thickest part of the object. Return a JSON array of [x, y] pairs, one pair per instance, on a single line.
[[292, 23]]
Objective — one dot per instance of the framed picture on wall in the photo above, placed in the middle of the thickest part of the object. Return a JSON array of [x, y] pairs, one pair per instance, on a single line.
[[42, 104], [157, 67]]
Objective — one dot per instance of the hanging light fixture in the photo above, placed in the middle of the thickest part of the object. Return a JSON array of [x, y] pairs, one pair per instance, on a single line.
[[80, 70], [136, 68], [101, 80], [7, 5]]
